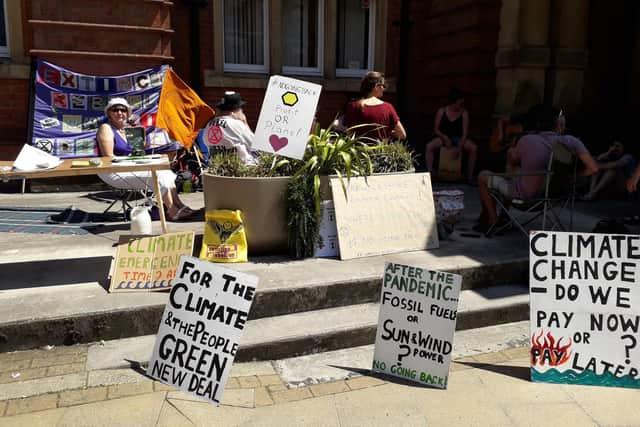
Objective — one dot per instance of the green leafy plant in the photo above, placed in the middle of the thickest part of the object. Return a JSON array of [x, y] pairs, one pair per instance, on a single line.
[[327, 153]]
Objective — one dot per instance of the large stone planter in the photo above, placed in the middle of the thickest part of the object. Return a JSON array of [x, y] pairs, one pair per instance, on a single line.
[[263, 205]]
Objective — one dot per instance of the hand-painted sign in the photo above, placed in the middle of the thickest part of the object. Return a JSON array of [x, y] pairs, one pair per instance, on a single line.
[[201, 327], [69, 108], [383, 214], [417, 320], [286, 116], [585, 308], [149, 263]]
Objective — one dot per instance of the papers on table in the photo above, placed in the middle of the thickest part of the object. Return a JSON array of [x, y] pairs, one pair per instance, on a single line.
[[31, 159], [138, 160]]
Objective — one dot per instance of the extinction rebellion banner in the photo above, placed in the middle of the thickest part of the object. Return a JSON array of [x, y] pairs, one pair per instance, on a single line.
[[69, 108]]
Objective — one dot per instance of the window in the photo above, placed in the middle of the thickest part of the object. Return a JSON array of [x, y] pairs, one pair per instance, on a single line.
[[355, 37], [302, 34], [246, 38], [4, 45]]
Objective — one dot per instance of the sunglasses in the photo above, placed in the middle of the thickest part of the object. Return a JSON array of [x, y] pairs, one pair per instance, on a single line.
[[119, 110]]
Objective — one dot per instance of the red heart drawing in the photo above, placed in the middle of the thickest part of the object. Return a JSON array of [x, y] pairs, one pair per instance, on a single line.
[[277, 143]]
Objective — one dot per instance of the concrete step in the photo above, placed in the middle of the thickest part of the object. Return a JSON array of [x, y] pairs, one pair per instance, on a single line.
[[85, 312], [319, 331]]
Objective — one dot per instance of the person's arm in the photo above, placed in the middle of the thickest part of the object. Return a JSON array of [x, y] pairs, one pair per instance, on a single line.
[[399, 131], [436, 128], [105, 140], [589, 163], [632, 182], [465, 127], [616, 164]]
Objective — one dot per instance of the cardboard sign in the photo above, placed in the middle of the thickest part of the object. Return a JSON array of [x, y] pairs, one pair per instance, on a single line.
[[328, 232], [385, 214], [201, 327], [286, 116], [149, 263], [417, 320], [585, 308]]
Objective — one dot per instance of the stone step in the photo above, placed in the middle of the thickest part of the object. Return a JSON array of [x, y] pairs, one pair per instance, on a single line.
[[84, 312], [319, 331]]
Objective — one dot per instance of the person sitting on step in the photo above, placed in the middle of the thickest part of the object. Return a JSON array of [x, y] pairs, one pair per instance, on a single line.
[[451, 126]]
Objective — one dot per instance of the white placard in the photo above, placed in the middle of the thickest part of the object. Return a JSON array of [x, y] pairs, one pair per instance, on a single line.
[[328, 231], [383, 214], [201, 327], [286, 116], [417, 320], [585, 308]]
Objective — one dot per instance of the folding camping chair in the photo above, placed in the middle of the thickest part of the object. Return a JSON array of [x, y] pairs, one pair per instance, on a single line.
[[558, 195]]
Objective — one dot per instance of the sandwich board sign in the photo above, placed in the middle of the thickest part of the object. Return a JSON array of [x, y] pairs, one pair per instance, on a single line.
[[287, 113], [417, 320], [585, 308], [201, 327]]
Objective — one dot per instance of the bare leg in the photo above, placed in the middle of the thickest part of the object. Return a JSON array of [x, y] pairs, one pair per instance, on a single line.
[[597, 185], [433, 145], [472, 150], [488, 204]]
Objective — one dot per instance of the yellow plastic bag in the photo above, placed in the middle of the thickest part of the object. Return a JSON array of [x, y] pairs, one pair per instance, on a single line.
[[224, 237]]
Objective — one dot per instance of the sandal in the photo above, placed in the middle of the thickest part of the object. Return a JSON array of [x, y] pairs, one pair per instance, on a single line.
[[183, 213]]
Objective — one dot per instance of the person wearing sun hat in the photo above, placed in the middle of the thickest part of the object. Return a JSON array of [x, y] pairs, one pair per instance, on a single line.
[[112, 141], [230, 129]]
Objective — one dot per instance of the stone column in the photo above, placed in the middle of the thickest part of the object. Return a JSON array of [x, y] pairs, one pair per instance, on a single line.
[[523, 54], [569, 56]]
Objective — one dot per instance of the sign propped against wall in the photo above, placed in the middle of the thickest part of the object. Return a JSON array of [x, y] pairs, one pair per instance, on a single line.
[[384, 214], [287, 114], [417, 320], [149, 263], [201, 327], [585, 308]]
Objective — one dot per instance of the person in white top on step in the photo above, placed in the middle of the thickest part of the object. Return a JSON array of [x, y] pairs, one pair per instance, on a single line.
[[229, 128]]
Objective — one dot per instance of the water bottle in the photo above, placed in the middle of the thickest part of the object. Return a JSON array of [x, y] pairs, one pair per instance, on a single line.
[[187, 186], [140, 220]]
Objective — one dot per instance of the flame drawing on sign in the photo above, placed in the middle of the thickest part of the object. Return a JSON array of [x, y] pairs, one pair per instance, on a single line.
[[549, 350]]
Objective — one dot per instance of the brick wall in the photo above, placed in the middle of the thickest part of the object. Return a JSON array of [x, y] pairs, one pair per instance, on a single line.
[[452, 44], [13, 117]]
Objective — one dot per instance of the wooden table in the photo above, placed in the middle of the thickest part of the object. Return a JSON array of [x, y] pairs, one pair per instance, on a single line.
[[65, 169]]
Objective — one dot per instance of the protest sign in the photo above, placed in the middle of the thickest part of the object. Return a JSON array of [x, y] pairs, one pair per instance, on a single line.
[[201, 327], [384, 214], [286, 116], [585, 308], [417, 320], [149, 263]]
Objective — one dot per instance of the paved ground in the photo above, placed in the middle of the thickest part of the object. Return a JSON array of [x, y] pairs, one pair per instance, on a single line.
[[489, 386]]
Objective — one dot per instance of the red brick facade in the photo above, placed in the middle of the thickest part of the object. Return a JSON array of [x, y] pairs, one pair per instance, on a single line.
[[451, 43]]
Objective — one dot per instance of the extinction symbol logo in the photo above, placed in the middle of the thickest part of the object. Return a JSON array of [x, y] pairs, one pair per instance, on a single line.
[[44, 145], [214, 135]]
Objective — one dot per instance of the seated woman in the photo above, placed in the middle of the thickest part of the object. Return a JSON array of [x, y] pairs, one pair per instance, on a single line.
[[614, 169], [371, 110], [451, 126], [112, 141]]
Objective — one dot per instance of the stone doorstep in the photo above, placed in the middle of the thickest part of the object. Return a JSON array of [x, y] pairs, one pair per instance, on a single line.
[[268, 390]]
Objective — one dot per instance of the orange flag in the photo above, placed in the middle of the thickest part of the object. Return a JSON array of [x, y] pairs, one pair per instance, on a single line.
[[181, 112]]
